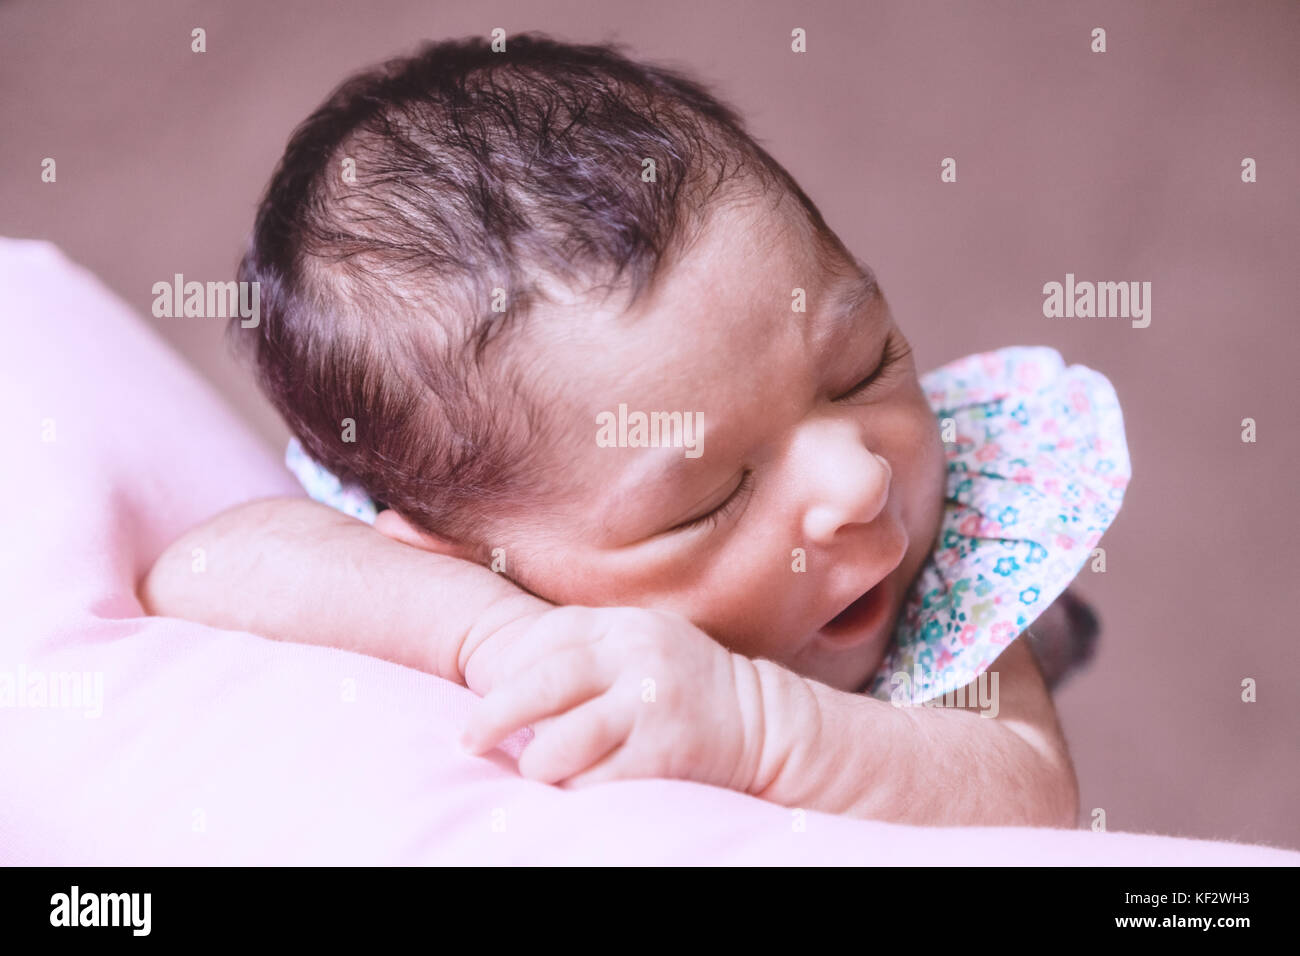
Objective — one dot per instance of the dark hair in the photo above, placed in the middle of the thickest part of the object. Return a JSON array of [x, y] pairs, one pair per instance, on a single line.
[[474, 170]]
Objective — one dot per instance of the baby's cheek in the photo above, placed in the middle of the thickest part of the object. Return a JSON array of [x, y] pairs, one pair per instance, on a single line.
[[746, 604], [927, 487], [920, 469]]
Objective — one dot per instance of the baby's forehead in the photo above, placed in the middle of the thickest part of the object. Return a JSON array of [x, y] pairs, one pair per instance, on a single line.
[[752, 273], [716, 338], [742, 308], [763, 255]]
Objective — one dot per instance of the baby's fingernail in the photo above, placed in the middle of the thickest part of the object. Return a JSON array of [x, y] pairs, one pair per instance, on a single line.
[[466, 744]]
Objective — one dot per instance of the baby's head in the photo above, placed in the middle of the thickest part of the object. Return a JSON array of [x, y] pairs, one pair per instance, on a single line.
[[497, 266]]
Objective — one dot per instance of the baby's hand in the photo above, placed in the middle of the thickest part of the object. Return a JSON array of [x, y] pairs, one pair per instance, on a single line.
[[616, 693]]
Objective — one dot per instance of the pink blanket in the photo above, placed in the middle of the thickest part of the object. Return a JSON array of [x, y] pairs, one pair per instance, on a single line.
[[210, 746]]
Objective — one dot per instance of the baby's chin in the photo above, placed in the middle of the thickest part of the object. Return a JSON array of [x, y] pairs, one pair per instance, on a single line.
[[848, 670]]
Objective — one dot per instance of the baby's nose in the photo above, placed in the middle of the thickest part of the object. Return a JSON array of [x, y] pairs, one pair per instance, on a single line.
[[850, 499]]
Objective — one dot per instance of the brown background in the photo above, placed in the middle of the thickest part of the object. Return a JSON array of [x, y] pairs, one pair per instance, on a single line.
[[1115, 166]]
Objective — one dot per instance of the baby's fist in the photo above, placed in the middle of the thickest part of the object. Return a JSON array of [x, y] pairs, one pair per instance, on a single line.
[[616, 693]]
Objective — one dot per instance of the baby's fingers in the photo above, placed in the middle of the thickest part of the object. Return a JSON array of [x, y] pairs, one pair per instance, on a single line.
[[551, 687], [572, 742]]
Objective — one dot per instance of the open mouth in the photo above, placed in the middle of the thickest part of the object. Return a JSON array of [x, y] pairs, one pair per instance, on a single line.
[[857, 621]]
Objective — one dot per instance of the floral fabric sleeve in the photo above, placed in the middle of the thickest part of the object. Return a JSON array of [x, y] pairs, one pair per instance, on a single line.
[[1037, 468]]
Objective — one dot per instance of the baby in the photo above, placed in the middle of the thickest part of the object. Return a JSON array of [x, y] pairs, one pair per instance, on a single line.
[[472, 264]]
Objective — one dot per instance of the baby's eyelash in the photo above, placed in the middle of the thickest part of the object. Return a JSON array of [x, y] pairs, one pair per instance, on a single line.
[[734, 500], [896, 349]]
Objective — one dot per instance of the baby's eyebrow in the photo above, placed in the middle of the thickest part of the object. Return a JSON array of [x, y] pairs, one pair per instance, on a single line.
[[843, 299], [850, 296]]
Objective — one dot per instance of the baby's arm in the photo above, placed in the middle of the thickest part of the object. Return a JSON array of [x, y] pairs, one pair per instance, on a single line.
[[295, 570], [937, 766]]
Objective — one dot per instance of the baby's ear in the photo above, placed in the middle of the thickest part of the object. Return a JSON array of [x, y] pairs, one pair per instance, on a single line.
[[392, 525]]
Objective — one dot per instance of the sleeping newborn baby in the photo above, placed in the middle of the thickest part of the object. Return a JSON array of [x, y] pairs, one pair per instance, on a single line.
[[652, 466]]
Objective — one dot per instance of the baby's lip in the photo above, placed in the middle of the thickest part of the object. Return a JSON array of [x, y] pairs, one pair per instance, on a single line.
[[860, 618], [863, 613]]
